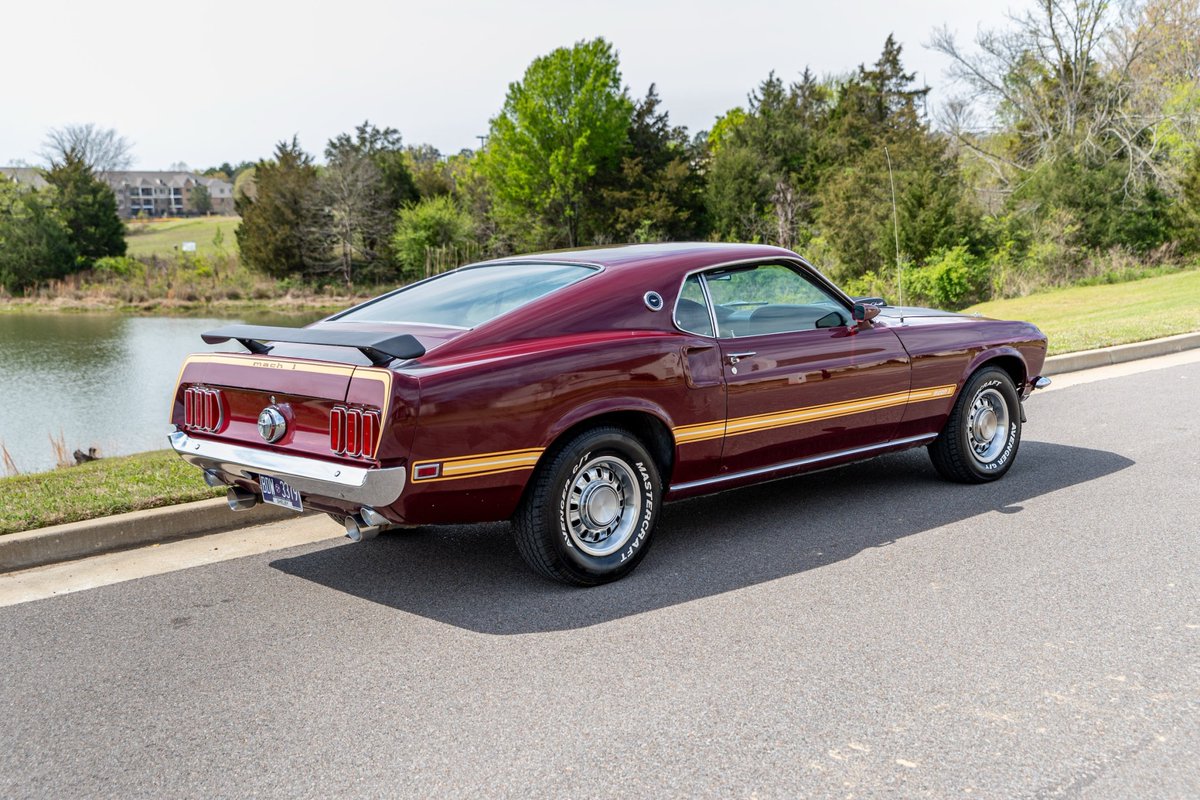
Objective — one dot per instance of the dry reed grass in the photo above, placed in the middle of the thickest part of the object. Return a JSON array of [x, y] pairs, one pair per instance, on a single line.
[[10, 466]]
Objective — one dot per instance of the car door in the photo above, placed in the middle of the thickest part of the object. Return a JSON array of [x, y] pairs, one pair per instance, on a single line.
[[802, 379]]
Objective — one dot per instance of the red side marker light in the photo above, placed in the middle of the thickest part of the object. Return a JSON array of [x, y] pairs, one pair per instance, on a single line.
[[426, 472]]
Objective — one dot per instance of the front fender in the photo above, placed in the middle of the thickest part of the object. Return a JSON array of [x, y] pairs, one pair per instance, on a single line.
[[1007, 352]]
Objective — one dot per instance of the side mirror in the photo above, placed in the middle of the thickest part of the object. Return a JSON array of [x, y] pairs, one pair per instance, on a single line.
[[864, 312]]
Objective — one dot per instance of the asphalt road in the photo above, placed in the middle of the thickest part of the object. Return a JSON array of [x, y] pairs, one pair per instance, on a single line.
[[866, 632]]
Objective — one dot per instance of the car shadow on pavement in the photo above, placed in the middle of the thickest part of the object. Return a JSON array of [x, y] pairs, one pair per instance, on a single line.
[[470, 576]]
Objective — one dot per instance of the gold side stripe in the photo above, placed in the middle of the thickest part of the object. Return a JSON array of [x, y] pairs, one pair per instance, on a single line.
[[699, 433], [483, 464], [472, 475], [464, 467], [797, 416], [479, 465]]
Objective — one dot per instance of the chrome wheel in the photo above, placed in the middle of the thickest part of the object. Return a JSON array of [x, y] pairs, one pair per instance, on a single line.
[[987, 425], [603, 506]]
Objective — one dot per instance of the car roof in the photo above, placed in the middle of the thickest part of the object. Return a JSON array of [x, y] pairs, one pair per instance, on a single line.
[[674, 255]]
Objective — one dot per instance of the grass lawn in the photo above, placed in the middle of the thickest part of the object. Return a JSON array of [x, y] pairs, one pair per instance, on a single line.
[[1087, 317], [163, 237], [99, 488]]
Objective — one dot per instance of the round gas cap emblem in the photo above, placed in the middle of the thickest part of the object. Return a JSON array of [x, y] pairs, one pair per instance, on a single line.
[[654, 301], [271, 424]]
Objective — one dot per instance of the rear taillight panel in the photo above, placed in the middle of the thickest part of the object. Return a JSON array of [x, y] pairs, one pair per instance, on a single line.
[[204, 409], [353, 431]]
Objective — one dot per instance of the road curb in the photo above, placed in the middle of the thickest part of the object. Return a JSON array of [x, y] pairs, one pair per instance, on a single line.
[[121, 531], [1087, 359]]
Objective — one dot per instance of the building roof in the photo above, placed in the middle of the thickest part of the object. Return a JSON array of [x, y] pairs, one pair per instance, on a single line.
[[30, 176], [173, 179]]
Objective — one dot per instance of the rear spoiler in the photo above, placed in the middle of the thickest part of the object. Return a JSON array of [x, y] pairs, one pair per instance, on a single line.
[[381, 349]]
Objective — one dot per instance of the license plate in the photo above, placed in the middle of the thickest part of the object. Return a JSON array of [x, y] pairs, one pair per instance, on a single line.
[[279, 492]]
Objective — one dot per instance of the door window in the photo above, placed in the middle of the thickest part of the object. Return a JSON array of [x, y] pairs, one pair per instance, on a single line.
[[770, 298]]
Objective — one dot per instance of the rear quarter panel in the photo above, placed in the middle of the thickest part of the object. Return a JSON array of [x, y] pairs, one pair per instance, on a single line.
[[488, 420]]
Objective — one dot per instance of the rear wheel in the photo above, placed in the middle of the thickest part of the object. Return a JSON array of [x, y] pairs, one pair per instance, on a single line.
[[589, 513], [980, 440]]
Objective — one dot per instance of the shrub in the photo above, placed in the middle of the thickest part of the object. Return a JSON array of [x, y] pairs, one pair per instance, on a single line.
[[951, 279], [118, 266], [433, 223]]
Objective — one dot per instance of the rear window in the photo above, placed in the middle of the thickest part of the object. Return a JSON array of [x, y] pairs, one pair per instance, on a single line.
[[469, 297]]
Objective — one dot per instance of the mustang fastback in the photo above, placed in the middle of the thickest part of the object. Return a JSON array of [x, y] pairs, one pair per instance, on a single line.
[[574, 392]]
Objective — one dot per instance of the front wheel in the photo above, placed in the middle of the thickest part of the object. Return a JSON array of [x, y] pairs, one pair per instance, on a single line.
[[980, 439], [589, 512]]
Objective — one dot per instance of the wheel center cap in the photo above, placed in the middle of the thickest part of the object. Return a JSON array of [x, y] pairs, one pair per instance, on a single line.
[[602, 505], [985, 425]]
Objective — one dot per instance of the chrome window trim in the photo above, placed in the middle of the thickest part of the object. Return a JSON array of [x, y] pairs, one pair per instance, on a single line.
[[712, 316]]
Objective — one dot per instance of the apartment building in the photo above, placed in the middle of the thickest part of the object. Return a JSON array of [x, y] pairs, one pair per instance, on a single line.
[[151, 194]]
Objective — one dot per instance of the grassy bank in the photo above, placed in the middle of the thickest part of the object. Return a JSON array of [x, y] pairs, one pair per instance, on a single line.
[[217, 285], [1087, 317], [98, 489], [165, 237]]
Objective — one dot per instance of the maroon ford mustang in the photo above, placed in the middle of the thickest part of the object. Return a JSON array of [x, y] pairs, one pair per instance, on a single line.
[[574, 392]]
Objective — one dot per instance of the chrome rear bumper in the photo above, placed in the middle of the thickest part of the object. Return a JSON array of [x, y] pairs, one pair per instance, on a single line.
[[369, 487]]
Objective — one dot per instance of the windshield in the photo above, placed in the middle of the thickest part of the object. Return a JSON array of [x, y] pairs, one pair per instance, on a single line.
[[469, 297]]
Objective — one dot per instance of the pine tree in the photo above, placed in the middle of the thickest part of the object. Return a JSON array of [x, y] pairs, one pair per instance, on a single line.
[[88, 207], [282, 230]]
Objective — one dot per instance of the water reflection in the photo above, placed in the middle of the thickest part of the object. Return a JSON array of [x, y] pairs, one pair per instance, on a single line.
[[100, 380]]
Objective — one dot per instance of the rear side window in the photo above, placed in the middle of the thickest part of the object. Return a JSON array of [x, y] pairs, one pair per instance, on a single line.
[[691, 309], [469, 297]]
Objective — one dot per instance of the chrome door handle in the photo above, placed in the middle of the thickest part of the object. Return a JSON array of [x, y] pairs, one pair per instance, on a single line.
[[736, 357]]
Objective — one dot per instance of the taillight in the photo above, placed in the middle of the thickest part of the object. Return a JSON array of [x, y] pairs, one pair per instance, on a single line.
[[337, 429], [353, 431], [203, 409]]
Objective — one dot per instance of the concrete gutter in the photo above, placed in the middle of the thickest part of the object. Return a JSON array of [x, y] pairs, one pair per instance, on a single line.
[[92, 537], [120, 531], [1087, 359]]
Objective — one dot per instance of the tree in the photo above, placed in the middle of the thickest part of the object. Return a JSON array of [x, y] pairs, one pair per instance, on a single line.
[[882, 107], [1091, 81], [385, 148], [806, 160], [435, 222], [1085, 113], [243, 184], [102, 150], [88, 207], [201, 199], [283, 230], [35, 243], [430, 171], [766, 162], [565, 121], [354, 205], [657, 195]]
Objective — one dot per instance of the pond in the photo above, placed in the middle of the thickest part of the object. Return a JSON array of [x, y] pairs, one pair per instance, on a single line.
[[95, 380]]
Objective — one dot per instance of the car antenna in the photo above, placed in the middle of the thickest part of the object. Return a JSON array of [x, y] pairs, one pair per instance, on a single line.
[[895, 232]]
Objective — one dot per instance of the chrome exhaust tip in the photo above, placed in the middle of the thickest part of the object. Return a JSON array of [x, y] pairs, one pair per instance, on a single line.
[[1041, 382], [373, 517], [241, 499], [357, 530], [213, 479]]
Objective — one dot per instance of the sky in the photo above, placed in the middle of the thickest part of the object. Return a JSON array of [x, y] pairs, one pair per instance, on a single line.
[[209, 81]]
